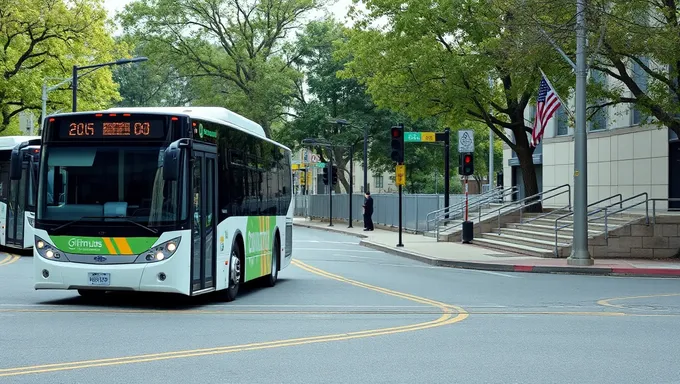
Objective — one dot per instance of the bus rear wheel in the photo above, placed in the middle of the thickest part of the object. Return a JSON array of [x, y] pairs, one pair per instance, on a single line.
[[273, 276], [234, 274]]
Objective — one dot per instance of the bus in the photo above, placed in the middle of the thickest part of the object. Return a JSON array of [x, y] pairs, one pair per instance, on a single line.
[[19, 157], [176, 200]]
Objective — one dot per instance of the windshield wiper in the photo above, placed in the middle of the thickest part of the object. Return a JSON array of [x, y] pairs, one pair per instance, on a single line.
[[152, 230]]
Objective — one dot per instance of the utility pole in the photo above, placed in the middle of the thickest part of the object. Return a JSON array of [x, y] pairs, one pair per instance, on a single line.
[[447, 169], [579, 252]]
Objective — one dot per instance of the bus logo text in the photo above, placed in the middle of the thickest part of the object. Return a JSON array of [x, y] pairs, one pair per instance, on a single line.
[[80, 243]]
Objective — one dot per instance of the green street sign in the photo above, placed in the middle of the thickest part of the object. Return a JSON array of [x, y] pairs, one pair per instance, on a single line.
[[321, 165], [417, 137]]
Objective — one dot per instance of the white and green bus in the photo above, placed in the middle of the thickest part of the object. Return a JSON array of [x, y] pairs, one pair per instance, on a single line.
[[19, 157], [177, 200]]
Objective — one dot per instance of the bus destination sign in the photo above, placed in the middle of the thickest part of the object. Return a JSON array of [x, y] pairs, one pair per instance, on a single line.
[[101, 129]]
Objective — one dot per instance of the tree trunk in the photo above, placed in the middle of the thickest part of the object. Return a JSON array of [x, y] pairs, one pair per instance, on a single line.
[[526, 164]]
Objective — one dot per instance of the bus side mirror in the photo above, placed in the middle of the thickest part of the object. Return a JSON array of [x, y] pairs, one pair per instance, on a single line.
[[171, 163], [15, 165]]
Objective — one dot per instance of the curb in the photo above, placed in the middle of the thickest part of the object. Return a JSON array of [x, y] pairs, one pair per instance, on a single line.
[[593, 271]]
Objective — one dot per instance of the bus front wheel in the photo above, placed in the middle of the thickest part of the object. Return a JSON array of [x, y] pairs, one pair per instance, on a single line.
[[235, 271]]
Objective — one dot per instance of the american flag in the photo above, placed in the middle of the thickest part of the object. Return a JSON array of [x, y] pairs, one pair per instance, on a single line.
[[548, 102]]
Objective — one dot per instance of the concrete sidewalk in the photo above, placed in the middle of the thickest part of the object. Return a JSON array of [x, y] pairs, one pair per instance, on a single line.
[[458, 255]]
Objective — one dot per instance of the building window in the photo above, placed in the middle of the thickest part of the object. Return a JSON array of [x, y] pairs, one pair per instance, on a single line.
[[562, 122], [378, 181], [598, 121], [640, 77]]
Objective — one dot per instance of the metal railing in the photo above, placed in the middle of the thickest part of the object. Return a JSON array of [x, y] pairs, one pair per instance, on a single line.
[[454, 208], [537, 198], [607, 213], [495, 195], [533, 200], [591, 204], [667, 200]]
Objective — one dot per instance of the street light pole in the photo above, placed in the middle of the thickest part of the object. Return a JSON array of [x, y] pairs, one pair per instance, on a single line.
[[365, 159], [351, 181], [74, 79], [579, 252]]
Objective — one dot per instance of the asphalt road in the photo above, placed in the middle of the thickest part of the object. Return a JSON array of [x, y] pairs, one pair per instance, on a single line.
[[347, 314]]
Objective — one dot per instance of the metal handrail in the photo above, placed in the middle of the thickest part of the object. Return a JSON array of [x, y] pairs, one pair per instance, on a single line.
[[654, 200], [450, 208], [485, 198], [546, 214], [478, 205], [541, 197], [591, 204], [606, 215]]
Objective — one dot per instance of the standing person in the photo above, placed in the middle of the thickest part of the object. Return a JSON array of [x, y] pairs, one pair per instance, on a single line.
[[368, 212]]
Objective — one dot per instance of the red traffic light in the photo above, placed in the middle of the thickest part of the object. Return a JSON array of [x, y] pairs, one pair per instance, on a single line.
[[396, 132], [467, 159]]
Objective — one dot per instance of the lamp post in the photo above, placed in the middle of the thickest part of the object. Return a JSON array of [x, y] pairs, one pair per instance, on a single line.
[[365, 130], [93, 67], [315, 142]]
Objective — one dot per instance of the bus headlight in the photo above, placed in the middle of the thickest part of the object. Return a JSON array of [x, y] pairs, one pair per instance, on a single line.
[[160, 252], [48, 251]]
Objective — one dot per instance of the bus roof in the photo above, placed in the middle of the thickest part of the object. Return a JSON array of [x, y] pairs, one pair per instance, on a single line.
[[213, 113], [9, 142]]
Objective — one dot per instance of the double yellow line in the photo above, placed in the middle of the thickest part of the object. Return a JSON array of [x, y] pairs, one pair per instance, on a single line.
[[9, 259], [449, 314]]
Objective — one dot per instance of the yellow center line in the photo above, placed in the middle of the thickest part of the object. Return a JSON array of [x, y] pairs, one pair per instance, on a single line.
[[608, 302], [447, 317], [10, 259]]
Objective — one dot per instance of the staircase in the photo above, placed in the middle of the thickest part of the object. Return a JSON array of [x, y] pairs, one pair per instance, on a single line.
[[550, 234], [479, 206]]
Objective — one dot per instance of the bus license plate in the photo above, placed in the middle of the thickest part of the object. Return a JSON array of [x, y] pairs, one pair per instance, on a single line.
[[99, 278]]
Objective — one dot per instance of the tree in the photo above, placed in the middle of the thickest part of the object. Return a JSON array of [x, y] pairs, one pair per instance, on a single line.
[[328, 99], [43, 39], [239, 45], [458, 60], [156, 83], [633, 41]]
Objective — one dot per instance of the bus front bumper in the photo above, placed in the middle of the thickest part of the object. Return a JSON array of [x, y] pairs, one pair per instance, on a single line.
[[163, 276]]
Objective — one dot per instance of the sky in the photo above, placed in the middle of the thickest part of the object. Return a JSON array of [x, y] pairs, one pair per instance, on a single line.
[[338, 7]]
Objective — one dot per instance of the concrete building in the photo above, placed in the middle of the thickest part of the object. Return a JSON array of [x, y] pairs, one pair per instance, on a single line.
[[626, 154]]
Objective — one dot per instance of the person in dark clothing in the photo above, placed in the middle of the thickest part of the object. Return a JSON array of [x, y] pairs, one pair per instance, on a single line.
[[368, 212]]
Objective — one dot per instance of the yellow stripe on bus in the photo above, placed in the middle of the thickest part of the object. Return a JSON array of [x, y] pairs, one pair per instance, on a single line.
[[123, 245], [109, 246]]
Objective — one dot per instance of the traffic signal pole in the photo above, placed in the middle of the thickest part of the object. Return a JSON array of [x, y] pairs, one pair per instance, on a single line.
[[467, 169], [397, 155]]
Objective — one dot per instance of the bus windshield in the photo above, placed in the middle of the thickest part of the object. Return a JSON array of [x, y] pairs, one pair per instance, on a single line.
[[100, 183]]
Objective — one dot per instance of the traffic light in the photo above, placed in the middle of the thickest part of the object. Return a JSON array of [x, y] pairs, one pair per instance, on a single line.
[[397, 135], [335, 175], [467, 164], [325, 175]]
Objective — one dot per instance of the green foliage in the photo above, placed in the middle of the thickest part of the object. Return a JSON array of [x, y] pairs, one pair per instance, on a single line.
[[156, 82], [42, 40], [237, 48], [460, 61]]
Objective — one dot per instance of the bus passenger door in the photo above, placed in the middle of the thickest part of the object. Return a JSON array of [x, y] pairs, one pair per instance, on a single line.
[[15, 210], [204, 216]]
